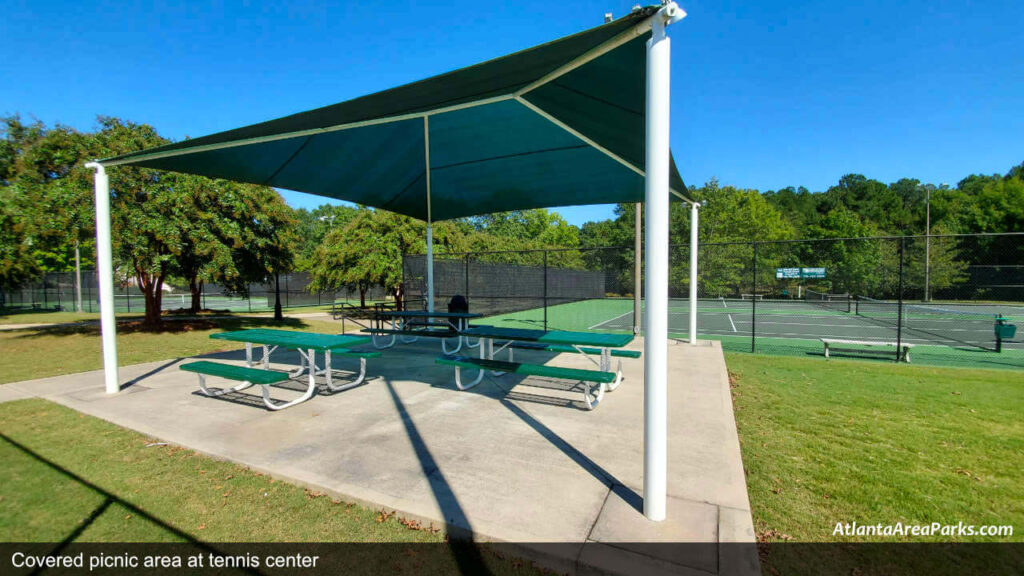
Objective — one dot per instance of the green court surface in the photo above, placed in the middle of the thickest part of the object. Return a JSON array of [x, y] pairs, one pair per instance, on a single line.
[[964, 337]]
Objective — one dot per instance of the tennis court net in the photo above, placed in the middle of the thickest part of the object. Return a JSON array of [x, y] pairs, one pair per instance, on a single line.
[[950, 326], [837, 302]]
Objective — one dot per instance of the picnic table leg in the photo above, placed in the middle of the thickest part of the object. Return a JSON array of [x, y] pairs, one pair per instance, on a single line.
[[826, 350], [306, 362], [309, 391], [248, 354], [588, 392], [404, 339], [220, 391], [329, 370], [490, 354], [479, 373], [444, 345], [378, 346], [606, 366]]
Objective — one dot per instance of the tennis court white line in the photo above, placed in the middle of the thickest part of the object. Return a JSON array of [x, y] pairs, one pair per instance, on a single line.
[[817, 324], [733, 323], [609, 320]]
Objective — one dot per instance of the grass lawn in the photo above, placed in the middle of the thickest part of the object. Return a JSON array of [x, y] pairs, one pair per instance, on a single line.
[[68, 476], [41, 352], [847, 441], [853, 441]]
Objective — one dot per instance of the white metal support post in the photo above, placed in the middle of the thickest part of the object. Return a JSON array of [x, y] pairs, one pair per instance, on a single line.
[[430, 267], [637, 269], [656, 201], [694, 223], [430, 217], [105, 270]]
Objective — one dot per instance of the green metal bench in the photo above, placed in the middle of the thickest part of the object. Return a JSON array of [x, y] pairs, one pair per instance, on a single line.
[[574, 350], [590, 378], [247, 376]]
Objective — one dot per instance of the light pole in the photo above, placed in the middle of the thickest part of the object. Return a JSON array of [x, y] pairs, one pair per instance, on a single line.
[[927, 240]]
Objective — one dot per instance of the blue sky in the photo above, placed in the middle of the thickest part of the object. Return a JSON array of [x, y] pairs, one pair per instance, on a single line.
[[765, 94]]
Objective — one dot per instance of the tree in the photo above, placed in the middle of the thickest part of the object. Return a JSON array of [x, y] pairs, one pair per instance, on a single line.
[[313, 226], [16, 262], [368, 252], [230, 233], [732, 218], [268, 241], [536, 224], [853, 265]]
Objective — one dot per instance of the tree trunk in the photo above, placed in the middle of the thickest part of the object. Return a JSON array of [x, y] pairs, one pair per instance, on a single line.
[[195, 287], [399, 301], [278, 315], [362, 296], [78, 278], [152, 291]]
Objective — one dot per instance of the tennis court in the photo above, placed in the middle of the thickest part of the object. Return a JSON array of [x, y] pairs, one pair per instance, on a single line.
[[947, 333]]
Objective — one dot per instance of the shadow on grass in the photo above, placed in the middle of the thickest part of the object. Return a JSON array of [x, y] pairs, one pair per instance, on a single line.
[[109, 499], [167, 326]]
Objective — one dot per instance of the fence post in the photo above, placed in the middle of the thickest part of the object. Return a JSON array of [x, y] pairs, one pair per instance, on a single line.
[[753, 307], [545, 290], [899, 306], [128, 298], [466, 270], [287, 291]]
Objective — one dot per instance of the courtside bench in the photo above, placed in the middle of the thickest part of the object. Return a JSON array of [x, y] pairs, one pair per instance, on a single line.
[[837, 345], [589, 378]]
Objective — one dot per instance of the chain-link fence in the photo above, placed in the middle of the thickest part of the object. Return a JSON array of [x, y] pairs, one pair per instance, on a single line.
[[940, 300], [57, 291]]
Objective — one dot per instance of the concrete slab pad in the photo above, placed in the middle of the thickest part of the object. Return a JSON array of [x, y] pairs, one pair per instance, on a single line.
[[511, 460]]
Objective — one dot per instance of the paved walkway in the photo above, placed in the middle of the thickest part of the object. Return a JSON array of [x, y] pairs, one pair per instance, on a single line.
[[505, 462]]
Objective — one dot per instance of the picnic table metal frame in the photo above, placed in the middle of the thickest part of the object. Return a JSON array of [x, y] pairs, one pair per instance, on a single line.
[[307, 360], [487, 336], [457, 322]]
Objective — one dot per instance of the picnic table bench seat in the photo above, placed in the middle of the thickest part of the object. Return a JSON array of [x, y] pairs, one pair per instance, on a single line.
[[574, 350], [598, 377], [247, 376], [843, 346]]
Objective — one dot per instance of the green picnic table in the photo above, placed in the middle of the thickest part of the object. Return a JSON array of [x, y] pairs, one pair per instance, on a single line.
[[306, 343], [409, 325], [557, 340]]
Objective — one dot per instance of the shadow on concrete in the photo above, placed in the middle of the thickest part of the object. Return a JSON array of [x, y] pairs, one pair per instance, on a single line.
[[593, 468], [467, 555], [152, 372]]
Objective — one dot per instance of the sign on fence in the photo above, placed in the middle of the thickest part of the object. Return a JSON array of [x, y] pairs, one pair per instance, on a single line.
[[812, 272], [787, 272], [783, 273]]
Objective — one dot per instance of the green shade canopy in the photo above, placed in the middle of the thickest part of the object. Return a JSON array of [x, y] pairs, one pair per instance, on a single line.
[[559, 124]]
